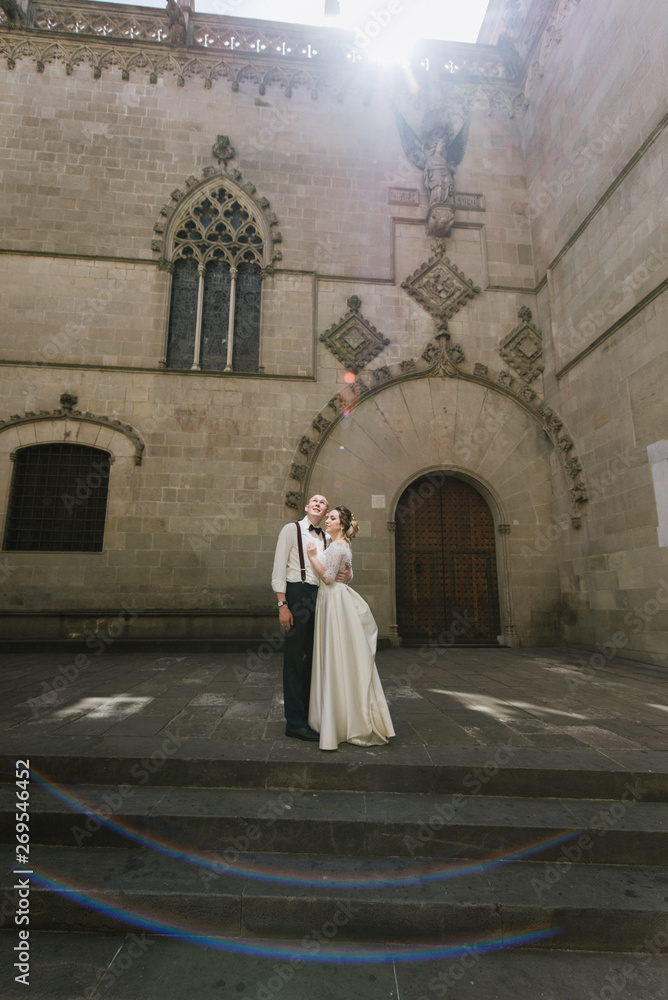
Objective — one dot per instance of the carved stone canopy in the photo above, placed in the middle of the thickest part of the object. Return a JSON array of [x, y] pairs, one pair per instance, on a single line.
[[440, 287], [523, 347], [353, 341]]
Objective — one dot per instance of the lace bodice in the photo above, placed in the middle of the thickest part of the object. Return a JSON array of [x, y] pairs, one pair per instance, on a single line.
[[336, 555]]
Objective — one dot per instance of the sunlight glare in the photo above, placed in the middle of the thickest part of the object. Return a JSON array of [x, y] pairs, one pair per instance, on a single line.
[[103, 708]]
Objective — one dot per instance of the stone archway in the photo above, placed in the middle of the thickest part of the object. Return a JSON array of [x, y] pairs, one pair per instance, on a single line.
[[446, 569], [367, 458]]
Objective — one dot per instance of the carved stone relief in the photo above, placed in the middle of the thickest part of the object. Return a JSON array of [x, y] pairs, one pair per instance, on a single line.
[[353, 341], [439, 286], [523, 347]]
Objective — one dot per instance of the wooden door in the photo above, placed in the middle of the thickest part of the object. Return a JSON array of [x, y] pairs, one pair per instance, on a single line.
[[447, 588]]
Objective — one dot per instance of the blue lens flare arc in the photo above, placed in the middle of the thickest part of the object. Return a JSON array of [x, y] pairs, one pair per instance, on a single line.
[[221, 866], [353, 955]]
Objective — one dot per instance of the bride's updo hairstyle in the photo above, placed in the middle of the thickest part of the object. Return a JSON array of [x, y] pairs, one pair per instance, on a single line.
[[348, 523]]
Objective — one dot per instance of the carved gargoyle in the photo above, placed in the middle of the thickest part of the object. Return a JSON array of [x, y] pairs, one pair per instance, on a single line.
[[176, 24], [15, 15], [437, 152]]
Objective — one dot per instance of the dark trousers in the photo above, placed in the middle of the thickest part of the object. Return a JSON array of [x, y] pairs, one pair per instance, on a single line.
[[298, 652]]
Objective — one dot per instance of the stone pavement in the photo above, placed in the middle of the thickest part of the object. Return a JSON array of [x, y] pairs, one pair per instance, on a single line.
[[550, 714], [441, 699]]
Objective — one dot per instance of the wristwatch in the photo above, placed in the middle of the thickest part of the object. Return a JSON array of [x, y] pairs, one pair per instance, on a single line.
[[281, 603]]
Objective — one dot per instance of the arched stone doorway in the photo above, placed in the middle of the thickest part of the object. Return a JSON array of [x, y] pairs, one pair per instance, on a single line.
[[446, 576]]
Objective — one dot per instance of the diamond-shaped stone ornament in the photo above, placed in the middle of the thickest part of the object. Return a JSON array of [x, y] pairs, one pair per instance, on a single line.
[[523, 347], [353, 341], [440, 287]]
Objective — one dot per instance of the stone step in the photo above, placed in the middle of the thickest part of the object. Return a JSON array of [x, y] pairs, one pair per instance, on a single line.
[[514, 771], [152, 967], [577, 907], [352, 823]]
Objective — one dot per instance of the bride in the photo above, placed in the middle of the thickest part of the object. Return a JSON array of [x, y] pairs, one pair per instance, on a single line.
[[347, 701]]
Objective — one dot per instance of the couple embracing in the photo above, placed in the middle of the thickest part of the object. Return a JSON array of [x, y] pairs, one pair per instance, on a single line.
[[331, 686]]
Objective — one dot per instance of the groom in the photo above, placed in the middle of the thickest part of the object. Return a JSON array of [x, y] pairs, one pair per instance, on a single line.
[[296, 588]]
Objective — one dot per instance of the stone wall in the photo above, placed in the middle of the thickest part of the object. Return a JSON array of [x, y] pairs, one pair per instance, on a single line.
[[595, 144], [90, 159]]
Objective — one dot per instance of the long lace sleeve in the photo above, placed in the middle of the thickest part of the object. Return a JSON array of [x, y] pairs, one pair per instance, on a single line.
[[334, 559]]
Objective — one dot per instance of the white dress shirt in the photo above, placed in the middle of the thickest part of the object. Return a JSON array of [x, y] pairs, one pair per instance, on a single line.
[[286, 561]]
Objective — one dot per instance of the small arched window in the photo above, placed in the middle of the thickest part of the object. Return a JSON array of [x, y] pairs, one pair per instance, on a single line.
[[217, 260], [58, 499]]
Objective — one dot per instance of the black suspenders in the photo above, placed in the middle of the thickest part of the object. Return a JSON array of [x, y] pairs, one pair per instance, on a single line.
[[301, 551], [300, 546]]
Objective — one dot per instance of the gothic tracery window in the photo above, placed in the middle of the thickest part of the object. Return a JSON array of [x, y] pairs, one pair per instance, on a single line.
[[217, 261]]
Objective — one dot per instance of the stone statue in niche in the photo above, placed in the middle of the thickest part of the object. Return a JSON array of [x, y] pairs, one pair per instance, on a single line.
[[15, 14], [176, 22], [438, 151]]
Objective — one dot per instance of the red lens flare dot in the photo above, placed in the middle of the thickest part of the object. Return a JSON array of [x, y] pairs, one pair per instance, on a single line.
[[349, 377]]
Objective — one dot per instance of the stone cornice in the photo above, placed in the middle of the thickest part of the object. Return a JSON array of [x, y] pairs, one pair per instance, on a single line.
[[137, 41]]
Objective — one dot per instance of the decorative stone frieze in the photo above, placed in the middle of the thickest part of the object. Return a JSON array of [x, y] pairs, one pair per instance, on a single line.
[[522, 349], [353, 341]]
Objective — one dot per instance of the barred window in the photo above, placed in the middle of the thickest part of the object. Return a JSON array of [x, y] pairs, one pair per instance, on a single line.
[[58, 499], [214, 320]]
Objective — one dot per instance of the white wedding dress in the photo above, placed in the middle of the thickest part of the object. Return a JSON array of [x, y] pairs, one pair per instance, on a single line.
[[347, 701]]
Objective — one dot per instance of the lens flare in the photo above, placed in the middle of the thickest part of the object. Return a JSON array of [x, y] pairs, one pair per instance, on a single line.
[[430, 869], [346, 953]]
